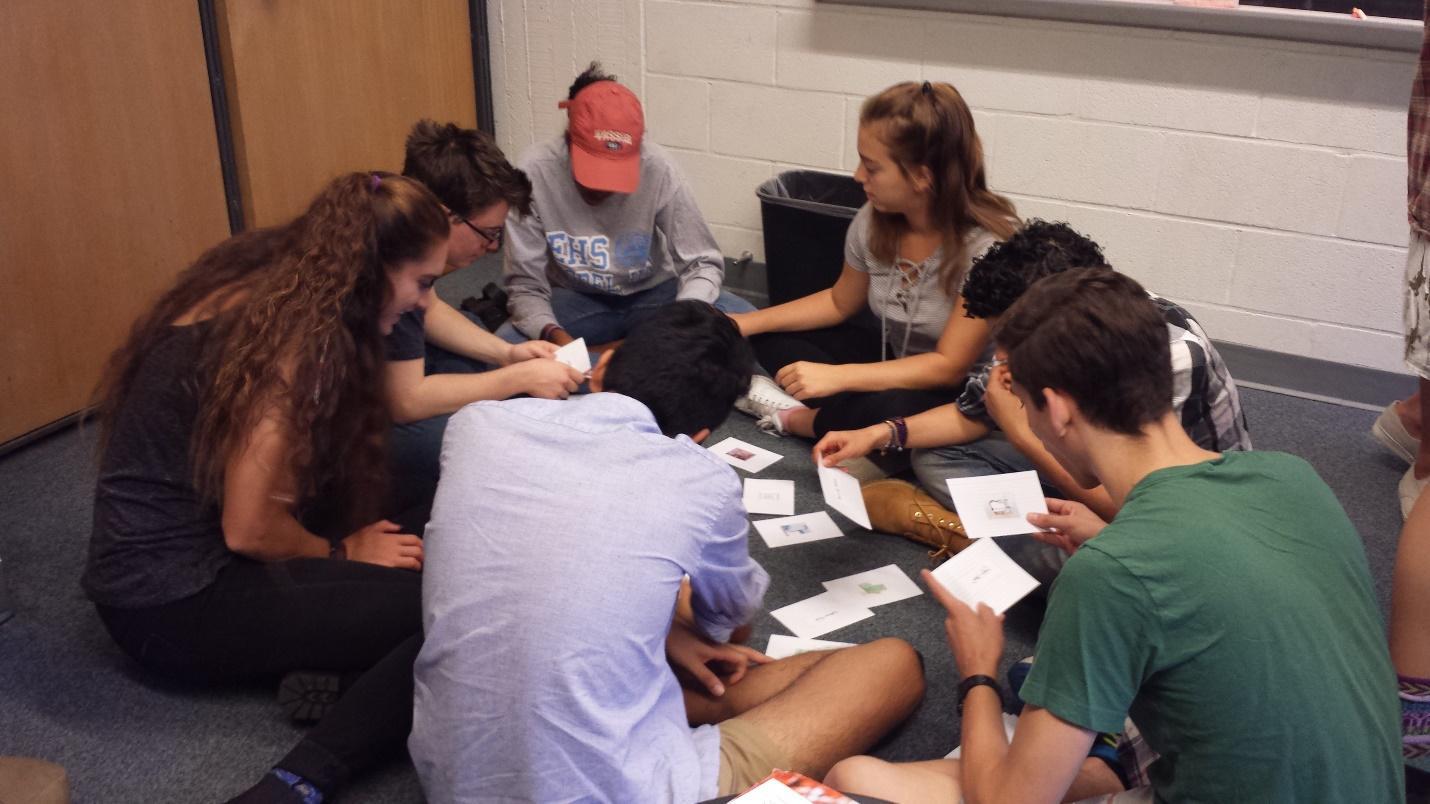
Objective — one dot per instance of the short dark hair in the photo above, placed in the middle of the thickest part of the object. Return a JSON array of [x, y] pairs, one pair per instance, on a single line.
[[1039, 249], [687, 362], [1096, 336], [589, 76], [464, 168]]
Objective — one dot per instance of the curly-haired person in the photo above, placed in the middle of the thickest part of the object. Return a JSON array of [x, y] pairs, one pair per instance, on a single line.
[[238, 516], [985, 431]]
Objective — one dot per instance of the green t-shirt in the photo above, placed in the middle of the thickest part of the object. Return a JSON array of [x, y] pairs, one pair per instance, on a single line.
[[1228, 609]]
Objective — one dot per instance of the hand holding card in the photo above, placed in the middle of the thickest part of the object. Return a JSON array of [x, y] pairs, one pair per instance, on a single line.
[[574, 354], [842, 492], [983, 573]]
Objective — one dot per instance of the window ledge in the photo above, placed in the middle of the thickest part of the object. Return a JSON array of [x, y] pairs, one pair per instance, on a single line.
[[1376, 33]]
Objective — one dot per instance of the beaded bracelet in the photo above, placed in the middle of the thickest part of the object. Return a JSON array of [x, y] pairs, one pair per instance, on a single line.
[[901, 431]]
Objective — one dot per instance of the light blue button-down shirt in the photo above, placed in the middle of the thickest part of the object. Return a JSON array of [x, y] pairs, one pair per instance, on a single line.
[[558, 540]]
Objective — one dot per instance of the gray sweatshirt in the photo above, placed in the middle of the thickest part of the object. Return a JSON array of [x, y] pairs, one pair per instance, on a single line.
[[625, 244]]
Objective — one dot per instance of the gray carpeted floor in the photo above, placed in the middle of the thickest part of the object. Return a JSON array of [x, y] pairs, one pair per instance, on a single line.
[[68, 695]]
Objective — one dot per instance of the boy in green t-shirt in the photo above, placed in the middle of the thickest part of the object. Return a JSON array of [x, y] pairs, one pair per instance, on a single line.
[[1228, 607]]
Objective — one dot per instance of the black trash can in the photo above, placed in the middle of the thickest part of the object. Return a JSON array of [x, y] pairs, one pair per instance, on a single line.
[[805, 214]]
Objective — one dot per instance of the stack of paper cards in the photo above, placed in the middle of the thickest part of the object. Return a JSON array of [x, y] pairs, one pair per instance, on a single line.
[[742, 455], [783, 647], [574, 354], [769, 496], [983, 573], [997, 505], [875, 587], [842, 492], [788, 530], [820, 615]]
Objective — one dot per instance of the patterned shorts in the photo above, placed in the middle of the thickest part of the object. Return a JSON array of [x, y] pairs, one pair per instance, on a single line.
[[1417, 306]]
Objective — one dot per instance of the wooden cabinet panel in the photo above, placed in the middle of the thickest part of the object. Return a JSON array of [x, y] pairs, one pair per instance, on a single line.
[[109, 186], [321, 87]]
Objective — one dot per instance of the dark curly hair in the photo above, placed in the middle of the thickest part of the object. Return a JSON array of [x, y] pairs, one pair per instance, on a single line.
[[1041, 248], [589, 76]]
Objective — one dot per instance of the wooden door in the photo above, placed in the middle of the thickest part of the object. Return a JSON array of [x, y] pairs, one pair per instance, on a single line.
[[109, 185], [321, 87]]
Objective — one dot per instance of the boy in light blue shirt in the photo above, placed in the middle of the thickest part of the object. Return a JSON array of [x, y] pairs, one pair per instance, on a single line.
[[551, 589]]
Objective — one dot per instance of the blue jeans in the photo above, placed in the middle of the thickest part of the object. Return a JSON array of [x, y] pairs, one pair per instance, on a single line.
[[602, 318], [993, 454], [415, 448]]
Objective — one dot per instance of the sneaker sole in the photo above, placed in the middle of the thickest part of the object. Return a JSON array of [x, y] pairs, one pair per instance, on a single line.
[[306, 696], [1393, 436]]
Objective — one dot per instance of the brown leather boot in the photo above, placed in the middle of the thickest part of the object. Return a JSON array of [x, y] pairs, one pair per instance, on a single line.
[[900, 507]]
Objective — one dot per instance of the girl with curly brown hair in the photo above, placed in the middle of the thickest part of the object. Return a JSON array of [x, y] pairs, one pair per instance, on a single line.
[[237, 530]]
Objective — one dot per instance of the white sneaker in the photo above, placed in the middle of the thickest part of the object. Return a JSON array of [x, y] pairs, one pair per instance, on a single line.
[[1410, 488], [764, 399]]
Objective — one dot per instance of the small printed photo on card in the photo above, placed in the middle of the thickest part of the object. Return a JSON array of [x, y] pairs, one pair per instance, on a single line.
[[575, 355], [769, 496], [876, 587], [787, 530], [820, 614], [742, 455], [997, 505]]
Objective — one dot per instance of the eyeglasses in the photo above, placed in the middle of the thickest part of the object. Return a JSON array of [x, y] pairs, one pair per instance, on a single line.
[[492, 235]]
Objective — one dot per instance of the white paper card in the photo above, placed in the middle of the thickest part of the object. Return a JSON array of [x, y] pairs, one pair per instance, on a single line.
[[875, 587], [820, 615], [783, 647], [770, 791], [842, 492], [769, 496], [997, 505], [574, 354], [743, 455], [983, 573], [788, 530]]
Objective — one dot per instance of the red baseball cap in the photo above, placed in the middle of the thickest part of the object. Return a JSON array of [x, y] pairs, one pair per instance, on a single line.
[[606, 125]]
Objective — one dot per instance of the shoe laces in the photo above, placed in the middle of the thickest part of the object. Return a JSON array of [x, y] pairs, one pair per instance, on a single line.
[[947, 527]]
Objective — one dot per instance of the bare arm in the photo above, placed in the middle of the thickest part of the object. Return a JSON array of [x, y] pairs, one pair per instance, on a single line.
[[258, 521], [444, 326], [413, 395], [962, 341], [938, 427], [815, 311]]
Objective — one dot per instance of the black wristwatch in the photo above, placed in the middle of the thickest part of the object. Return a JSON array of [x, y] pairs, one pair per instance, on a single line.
[[976, 681]]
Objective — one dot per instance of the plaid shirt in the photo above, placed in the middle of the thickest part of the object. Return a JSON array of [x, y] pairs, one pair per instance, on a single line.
[[1418, 140], [1203, 393]]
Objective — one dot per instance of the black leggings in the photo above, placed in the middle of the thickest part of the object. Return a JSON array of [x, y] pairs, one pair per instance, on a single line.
[[258, 621], [845, 343]]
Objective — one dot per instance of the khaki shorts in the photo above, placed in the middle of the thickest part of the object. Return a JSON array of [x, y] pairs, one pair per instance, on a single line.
[[746, 756], [1417, 306]]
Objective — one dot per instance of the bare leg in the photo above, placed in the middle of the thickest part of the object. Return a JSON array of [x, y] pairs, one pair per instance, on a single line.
[[1410, 411], [1422, 459], [1410, 595], [933, 780], [842, 705], [759, 685], [801, 422], [939, 780]]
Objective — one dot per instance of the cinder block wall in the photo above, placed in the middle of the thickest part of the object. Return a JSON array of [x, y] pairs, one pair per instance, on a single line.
[[1260, 183]]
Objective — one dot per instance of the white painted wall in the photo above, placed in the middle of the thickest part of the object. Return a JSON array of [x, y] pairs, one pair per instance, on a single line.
[[1260, 183]]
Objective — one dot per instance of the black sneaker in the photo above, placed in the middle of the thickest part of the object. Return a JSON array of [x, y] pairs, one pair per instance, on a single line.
[[490, 309], [306, 696]]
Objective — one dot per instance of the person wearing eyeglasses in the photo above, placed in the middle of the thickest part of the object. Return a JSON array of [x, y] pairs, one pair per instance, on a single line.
[[439, 360], [615, 232]]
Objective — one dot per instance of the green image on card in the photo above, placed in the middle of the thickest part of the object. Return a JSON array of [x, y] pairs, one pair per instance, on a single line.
[[872, 588]]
